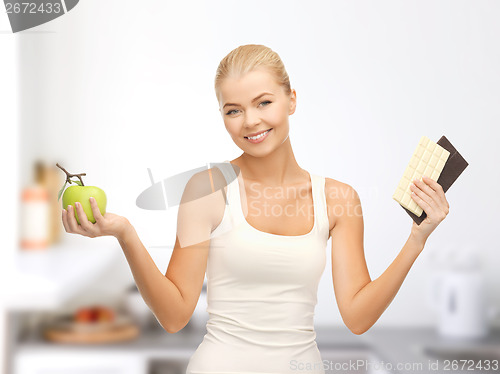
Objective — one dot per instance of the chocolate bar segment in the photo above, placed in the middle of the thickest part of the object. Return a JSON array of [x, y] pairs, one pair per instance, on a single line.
[[454, 166]]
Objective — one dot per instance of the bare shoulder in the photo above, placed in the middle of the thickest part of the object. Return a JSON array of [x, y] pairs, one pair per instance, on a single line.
[[203, 184], [339, 190], [341, 198], [207, 190]]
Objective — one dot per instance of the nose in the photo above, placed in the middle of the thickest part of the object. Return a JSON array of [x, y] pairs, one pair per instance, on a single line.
[[251, 118]]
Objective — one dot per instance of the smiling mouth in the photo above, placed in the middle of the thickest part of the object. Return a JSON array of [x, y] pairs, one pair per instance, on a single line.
[[258, 136]]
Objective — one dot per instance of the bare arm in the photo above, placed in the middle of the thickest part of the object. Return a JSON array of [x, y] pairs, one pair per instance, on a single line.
[[159, 293], [171, 297], [362, 300]]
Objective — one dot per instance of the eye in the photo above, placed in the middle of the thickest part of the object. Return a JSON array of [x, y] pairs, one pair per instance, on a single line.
[[235, 110]]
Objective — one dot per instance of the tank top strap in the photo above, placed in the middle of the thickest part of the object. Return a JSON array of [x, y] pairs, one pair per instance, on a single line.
[[320, 205], [231, 179], [227, 170]]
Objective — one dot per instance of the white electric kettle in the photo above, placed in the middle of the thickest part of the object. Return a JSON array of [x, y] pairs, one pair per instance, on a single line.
[[457, 293]]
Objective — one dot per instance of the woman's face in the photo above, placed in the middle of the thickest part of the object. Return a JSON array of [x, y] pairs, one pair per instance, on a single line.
[[254, 103]]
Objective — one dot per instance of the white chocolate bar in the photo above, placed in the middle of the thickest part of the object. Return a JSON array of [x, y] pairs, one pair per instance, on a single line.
[[427, 160]]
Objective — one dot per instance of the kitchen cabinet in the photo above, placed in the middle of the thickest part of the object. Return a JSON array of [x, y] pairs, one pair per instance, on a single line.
[[153, 351], [422, 350], [378, 351], [79, 363], [168, 367]]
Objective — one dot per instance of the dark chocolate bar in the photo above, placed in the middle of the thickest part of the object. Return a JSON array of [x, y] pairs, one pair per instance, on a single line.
[[453, 167]]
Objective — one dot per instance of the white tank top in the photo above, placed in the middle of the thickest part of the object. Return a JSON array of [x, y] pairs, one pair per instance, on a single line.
[[262, 292]]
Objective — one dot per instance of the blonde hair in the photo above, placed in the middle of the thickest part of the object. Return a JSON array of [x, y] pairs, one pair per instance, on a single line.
[[247, 58]]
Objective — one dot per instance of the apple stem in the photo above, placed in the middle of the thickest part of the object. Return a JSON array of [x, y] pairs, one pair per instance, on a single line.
[[69, 175]]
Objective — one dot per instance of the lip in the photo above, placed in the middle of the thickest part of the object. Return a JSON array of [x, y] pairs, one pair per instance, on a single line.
[[256, 133], [261, 139]]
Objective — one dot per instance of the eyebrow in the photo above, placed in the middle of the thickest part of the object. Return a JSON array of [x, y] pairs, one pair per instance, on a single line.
[[257, 98]]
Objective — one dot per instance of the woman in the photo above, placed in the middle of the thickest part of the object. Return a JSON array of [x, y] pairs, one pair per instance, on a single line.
[[258, 225]]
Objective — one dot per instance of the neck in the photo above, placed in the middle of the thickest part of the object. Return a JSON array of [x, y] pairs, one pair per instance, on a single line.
[[275, 169]]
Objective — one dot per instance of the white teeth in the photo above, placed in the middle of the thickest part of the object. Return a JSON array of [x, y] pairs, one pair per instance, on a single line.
[[258, 136]]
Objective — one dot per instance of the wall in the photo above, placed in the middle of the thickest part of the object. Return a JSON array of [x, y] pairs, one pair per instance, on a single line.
[[10, 171], [114, 88]]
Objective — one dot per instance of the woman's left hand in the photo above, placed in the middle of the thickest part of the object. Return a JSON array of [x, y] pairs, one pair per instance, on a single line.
[[429, 195]]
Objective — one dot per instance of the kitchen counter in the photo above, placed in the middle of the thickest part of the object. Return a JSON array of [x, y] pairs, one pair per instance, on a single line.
[[392, 350], [46, 279], [41, 278], [404, 349]]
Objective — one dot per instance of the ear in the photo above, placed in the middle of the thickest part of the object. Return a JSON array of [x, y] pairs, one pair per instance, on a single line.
[[293, 102]]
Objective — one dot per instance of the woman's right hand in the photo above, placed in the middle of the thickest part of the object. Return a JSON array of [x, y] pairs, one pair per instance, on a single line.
[[108, 225]]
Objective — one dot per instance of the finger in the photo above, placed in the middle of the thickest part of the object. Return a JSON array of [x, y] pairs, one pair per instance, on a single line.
[[436, 187], [95, 209], [74, 227], [434, 214], [424, 192], [432, 183], [421, 203], [65, 220], [84, 222], [438, 195]]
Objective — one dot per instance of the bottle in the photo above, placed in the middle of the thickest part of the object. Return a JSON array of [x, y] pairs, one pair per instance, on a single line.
[[34, 228], [49, 176]]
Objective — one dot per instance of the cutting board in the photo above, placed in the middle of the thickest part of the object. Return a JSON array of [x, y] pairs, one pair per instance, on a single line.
[[123, 329]]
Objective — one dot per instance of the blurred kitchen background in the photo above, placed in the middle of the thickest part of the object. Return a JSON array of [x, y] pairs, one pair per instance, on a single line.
[[116, 87]]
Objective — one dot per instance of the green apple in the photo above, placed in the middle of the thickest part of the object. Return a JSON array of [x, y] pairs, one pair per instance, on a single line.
[[82, 195]]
